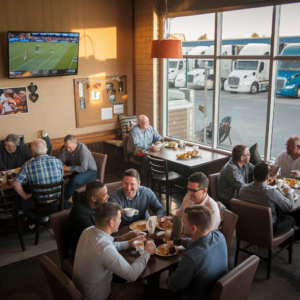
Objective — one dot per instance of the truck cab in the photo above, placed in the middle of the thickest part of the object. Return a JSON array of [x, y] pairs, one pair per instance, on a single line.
[[288, 73], [250, 76]]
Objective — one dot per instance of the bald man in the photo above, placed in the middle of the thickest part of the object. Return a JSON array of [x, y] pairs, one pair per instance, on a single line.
[[141, 138], [289, 159]]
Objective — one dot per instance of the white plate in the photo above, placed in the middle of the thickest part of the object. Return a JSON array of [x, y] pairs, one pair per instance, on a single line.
[[196, 155], [296, 198], [133, 225], [183, 158], [166, 255], [169, 146]]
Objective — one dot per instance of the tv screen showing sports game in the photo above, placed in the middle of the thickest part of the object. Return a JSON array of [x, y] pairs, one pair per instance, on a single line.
[[42, 54]]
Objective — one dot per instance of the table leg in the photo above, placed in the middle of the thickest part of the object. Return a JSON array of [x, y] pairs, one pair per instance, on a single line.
[[1, 192], [153, 281]]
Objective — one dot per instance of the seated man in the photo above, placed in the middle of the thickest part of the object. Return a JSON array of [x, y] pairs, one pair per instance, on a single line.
[[141, 138], [97, 258], [78, 159], [82, 215], [201, 265], [135, 196], [288, 160], [43, 169], [197, 194], [234, 175], [12, 154], [260, 193]]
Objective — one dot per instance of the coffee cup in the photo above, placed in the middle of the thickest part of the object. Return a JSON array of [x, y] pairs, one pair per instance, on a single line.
[[279, 183], [175, 145], [195, 148], [139, 246], [129, 212], [158, 143], [180, 144]]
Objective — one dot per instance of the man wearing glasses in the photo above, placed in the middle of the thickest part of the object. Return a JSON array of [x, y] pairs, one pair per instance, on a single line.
[[197, 194], [234, 174], [288, 160]]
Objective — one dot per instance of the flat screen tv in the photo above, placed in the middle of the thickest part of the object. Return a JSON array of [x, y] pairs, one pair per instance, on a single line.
[[42, 54]]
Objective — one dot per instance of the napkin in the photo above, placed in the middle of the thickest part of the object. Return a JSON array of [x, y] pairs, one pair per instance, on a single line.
[[151, 224], [177, 228]]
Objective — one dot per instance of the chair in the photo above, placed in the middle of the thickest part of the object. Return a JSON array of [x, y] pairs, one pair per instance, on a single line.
[[236, 284], [222, 209], [46, 201], [160, 175], [100, 160], [111, 187], [61, 286], [131, 160], [59, 223], [213, 178], [255, 227], [9, 216]]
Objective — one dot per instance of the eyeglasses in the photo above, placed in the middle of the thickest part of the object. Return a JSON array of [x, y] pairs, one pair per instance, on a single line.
[[247, 154], [289, 146], [193, 191]]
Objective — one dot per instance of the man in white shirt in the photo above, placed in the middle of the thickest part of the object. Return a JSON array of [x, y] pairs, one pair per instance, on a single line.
[[97, 258], [288, 160], [197, 194]]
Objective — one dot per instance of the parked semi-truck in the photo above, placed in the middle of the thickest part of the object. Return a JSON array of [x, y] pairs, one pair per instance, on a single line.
[[178, 66], [250, 76], [288, 73]]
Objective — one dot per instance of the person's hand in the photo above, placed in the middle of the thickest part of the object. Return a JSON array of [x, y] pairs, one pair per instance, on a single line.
[[273, 170], [130, 235], [138, 151], [295, 174], [170, 244], [11, 101], [13, 106], [138, 238], [169, 219], [28, 196], [153, 148], [150, 247], [66, 168], [286, 190]]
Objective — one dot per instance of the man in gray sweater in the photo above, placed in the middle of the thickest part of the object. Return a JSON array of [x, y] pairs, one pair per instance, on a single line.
[[260, 192], [78, 159]]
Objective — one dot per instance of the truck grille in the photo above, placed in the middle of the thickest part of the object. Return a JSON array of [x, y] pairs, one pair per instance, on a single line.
[[233, 80], [190, 78], [280, 84]]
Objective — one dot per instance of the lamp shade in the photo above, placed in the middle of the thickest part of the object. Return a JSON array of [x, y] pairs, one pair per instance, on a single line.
[[166, 49]]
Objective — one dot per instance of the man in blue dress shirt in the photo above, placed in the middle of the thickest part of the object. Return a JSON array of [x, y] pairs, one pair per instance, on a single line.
[[141, 138], [132, 195]]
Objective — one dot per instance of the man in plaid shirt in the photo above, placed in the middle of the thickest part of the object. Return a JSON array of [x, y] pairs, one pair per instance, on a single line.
[[42, 169]]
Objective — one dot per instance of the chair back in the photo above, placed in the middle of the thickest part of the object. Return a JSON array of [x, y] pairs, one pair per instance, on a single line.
[[236, 284], [100, 160], [125, 141], [59, 223], [213, 185], [158, 166], [111, 187], [255, 223], [61, 286], [45, 196], [222, 209], [9, 207], [229, 223]]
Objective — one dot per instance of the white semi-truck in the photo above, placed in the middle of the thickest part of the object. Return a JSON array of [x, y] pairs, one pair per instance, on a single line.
[[250, 76]]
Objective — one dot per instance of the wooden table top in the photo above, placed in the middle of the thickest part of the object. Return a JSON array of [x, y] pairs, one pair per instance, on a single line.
[[206, 158], [156, 264]]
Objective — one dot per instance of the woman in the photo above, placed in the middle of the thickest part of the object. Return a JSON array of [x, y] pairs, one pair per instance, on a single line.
[[12, 154]]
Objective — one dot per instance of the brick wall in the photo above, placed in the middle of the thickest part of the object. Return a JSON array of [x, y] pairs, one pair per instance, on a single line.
[[146, 69]]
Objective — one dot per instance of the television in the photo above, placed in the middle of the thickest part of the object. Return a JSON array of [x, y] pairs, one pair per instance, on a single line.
[[42, 54]]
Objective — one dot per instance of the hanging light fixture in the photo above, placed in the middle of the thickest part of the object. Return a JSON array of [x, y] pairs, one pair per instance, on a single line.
[[166, 48]]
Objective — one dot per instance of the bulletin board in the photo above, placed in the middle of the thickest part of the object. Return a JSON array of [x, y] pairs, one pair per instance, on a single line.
[[100, 100]]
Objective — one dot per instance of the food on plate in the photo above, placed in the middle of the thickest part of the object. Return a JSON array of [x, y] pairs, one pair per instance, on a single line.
[[271, 181], [183, 155], [164, 223], [141, 227], [17, 170], [165, 251], [170, 144], [295, 195], [291, 182], [195, 153], [167, 236]]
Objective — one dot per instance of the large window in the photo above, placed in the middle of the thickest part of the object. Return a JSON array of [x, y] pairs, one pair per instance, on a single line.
[[247, 106]]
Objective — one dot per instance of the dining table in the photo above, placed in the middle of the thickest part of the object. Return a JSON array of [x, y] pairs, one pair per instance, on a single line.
[[155, 265]]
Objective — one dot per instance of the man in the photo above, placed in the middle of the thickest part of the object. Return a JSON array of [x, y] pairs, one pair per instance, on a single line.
[[7, 103], [135, 196], [78, 159], [82, 215], [197, 194], [141, 138], [201, 265], [25, 57], [289, 159], [97, 258], [43, 169], [234, 175], [260, 193], [13, 154]]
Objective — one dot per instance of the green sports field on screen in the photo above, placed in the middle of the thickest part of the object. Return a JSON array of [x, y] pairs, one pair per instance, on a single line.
[[64, 56]]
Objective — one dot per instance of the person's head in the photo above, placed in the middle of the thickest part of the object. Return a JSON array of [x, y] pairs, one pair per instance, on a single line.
[[241, 154], [22, 94], [108, 215], [293, 145], [196, 220], [197, 186], [38, 147], [96, 192], [70, 143], [261, 172], [131, 182], [8, 93], [11, 142], [143, 122]]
